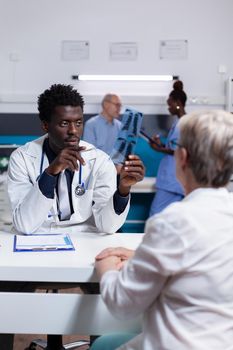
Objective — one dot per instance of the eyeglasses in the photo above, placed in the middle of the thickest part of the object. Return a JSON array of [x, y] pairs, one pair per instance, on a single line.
[[118, 105], [175, 144]]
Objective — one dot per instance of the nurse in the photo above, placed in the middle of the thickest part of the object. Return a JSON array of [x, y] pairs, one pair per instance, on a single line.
[[58, 180], [168, 188]]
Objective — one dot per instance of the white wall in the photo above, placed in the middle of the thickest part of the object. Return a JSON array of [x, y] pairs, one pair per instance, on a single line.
[[32, 30]]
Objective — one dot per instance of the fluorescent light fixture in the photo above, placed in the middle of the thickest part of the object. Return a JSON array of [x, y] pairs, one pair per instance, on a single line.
[[97, 77]]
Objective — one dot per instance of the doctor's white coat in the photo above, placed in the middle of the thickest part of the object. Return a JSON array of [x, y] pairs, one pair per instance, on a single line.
[[33, 212]]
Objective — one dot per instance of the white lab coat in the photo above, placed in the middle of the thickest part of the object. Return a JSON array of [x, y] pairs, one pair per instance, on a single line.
[[181, 277], [35, 213]]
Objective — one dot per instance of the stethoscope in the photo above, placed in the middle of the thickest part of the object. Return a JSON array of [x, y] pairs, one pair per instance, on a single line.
[[79, 189]]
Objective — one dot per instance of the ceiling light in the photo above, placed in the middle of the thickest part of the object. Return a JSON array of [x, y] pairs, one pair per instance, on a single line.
[[98, 77]]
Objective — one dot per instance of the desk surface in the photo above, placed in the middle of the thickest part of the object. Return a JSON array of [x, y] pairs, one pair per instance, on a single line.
[[35, 312], [147, 185], [59, 266]]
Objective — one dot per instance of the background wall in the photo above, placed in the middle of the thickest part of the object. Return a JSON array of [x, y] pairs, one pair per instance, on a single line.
[[32, 32], [31, 36]]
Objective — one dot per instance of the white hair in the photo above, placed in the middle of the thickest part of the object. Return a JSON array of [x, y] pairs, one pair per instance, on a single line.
[[208, 138]]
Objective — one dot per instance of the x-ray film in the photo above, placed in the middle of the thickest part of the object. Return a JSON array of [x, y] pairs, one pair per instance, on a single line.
[[127, 137]]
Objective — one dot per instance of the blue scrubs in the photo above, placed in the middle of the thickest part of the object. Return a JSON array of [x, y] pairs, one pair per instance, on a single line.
[[168, 188]]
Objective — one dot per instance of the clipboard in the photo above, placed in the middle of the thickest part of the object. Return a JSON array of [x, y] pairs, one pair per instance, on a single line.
[[42, 243]]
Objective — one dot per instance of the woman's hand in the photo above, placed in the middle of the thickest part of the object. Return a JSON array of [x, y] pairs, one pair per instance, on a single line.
[[107, 264], [157, 144], [120, 252], [112, 259]]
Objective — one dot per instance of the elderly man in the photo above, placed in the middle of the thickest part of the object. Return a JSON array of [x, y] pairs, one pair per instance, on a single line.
[[102, 130]]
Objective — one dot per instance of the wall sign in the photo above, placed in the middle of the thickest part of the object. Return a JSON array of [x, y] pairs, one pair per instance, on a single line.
[[73, 50], [123, 51], [173, 49]]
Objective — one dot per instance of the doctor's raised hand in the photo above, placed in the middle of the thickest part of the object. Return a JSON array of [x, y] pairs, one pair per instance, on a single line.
[[67, 158], [131, 172]]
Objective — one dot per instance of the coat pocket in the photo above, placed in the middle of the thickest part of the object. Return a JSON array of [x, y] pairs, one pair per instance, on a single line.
[[82, 205]]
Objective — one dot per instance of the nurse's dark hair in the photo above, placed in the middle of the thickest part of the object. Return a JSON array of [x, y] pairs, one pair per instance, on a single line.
[[178, 94], [58, 95]]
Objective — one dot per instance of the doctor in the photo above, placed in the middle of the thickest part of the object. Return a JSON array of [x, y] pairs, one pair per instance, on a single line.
[[58, 180]]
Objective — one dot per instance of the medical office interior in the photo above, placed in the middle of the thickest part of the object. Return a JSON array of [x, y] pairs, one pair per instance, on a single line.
[[54, 41]]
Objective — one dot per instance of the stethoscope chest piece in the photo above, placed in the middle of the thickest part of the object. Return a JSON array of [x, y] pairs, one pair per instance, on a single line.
[[79, 190]]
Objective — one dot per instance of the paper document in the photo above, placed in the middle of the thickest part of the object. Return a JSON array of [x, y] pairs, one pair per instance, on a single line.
[[40, 242]]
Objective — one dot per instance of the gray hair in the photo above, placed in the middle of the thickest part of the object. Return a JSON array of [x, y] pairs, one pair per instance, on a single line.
[[208, 138]]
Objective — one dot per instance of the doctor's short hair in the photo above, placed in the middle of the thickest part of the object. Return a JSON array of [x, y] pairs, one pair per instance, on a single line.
[[208, 138], [58, 95]]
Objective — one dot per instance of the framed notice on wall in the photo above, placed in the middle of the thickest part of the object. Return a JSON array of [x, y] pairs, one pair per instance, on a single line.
[[173, 49], [123, 51], [74, 50], [229, 96]]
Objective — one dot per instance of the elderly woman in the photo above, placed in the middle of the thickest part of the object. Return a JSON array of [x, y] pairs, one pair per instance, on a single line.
[[181, 276]]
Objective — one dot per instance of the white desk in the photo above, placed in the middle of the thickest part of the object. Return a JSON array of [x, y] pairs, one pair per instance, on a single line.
[[147, 185], [58, 313], [60, 266]]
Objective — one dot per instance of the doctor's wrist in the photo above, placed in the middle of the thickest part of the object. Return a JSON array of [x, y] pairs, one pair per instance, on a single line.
[[51, 171], [47, 184], [123, 191]]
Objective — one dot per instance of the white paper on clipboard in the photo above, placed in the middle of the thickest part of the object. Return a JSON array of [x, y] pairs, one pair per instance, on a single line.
[[42, 242]]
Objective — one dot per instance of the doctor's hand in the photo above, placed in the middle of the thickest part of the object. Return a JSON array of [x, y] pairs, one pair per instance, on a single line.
[[68, 158], [131, 172]]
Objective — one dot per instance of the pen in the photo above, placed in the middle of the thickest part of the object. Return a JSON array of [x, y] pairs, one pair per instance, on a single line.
[[87, 150], [45, 248]]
